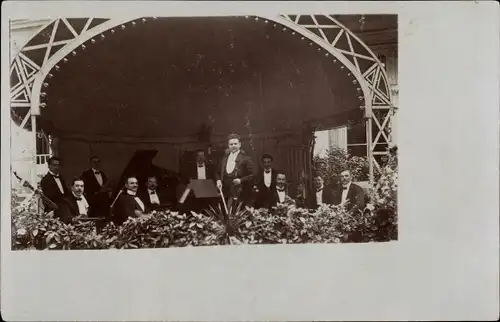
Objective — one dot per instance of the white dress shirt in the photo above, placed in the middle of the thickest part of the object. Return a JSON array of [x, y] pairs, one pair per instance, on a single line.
[[98, 176], [281, 196], [202, 172], [153, 197], [231, 161], [83, 206], [137, 199], [267, 178], [344, 193], [58, 182], [319, 196]]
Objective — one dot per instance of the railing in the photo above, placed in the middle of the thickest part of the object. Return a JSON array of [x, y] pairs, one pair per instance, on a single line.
[[42, 158]]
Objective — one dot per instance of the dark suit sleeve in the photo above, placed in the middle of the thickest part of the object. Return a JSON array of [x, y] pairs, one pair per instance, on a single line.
[[359, 197], [143, 195], [217, 170], [45, 185], [211, 171], [250, 170], [65, 186], [329, 195], [124, 208], [64, 211]]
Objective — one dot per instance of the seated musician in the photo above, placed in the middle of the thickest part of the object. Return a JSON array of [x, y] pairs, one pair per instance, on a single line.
[[348, 193], [128, 203], [53, 184], [96, 191], [152, 197], [280, 194], [321, 194], [74, 204]]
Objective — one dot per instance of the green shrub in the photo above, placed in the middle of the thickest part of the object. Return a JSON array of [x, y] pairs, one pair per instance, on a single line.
[[284, 224], [337, 160]]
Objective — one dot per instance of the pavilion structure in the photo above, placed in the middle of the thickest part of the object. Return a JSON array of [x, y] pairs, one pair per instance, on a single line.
[[111, 86]]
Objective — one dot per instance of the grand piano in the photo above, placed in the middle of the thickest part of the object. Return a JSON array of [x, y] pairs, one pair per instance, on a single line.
[[141, 166]]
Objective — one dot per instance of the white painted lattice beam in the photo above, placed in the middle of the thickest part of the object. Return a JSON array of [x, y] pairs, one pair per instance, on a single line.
[[369, 80], [71, 46]]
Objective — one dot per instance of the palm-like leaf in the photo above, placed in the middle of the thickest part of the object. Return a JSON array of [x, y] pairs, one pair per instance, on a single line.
[[231, 221]]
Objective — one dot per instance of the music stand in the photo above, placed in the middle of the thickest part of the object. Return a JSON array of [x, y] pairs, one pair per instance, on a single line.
[[202, 188]]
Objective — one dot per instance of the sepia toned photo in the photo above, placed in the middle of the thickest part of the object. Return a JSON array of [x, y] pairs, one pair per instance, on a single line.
[[158, 132]]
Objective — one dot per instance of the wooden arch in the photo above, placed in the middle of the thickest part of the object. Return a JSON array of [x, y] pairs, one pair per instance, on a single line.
[[31, 73]]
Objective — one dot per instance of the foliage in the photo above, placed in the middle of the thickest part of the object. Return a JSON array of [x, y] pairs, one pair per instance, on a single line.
[[229, 222], [338, 160], [162, 229], [385, 196], [284, 224]]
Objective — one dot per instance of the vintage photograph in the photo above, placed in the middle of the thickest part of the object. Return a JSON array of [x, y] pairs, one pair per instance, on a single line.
[[159, 132]]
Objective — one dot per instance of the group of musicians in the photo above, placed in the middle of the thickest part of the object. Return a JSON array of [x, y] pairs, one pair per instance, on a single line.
[[236, 176]]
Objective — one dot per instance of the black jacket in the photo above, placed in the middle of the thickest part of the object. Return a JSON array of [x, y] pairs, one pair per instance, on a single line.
[[125, 207], [355, 197], [327, 197], [68, 208], [51, 190], [265, 196], [244, 170]]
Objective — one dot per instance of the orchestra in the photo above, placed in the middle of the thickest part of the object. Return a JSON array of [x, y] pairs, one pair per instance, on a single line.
[[144, 187]]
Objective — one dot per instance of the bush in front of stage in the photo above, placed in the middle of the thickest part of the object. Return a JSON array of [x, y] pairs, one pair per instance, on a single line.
[[329, 224], [284, 224], [336, 160]]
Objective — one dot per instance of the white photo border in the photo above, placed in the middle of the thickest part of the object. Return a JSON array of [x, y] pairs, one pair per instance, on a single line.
[[444, 265]]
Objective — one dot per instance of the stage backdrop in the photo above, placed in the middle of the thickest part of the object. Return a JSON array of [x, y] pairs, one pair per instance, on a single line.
[[156, 84]]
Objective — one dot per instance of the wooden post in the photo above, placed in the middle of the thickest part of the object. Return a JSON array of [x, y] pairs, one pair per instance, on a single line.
[[34, 139], [369, 151]]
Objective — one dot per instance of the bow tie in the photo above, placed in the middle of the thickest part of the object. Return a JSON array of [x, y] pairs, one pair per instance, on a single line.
[[318, 190], [201, 165], [268, 171], [152, 192], [97, 172], [280, 190], [344, 188]]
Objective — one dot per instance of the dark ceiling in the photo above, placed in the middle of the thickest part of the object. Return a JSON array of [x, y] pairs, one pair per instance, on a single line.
[[167, 77]]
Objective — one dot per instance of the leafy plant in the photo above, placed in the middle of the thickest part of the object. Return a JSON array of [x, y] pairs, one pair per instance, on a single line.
[[230, 221], [285, 223], [336, 161]]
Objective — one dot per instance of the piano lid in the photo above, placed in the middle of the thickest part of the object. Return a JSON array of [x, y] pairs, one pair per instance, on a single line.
[[141, 166]]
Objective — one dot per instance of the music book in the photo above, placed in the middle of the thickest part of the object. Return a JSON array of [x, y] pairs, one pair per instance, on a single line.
[[204, 188]]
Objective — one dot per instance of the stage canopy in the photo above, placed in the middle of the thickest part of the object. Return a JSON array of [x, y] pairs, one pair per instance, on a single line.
[[169, 76], [112, 87]]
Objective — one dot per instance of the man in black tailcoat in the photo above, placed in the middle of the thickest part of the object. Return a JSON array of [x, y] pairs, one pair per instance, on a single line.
[[53, 184], [348, 193], [128, 204], [235, 173], [321, 193], [200, 169], [73, 204], [265, 182], [96, 191]]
